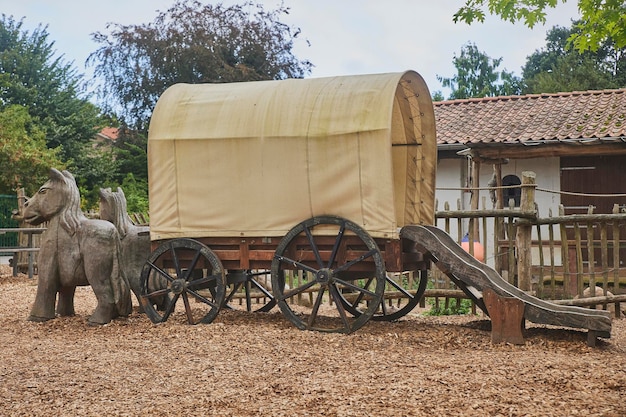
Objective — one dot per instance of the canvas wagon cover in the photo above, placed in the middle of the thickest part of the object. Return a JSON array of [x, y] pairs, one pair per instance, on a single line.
[[256, 158]]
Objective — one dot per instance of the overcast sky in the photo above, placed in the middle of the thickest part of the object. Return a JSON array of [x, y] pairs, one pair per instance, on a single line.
[[346, 36]]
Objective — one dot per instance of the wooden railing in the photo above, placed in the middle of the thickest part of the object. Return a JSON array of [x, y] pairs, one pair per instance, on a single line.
[[554, 257]]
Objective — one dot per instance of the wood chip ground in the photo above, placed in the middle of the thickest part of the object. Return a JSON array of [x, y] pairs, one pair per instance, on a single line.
[[246, 364]]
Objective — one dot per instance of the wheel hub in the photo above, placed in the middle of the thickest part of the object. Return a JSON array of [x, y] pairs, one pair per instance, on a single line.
[[324, 276], [178, 286]]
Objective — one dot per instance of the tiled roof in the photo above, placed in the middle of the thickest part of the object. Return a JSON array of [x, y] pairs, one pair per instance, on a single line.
[[538, 117], [110, 133]]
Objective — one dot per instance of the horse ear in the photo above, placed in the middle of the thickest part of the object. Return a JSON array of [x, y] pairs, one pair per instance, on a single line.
[[56, 175], [68, 175]]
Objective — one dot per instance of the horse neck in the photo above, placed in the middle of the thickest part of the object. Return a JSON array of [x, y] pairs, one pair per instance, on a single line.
[[125, 225]]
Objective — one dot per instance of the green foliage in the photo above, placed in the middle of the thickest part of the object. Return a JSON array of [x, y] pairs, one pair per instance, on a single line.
[[438, 96], [558, 67], [24, 156], [136, 192], [191, 43], [59, 125], [455, 307], [477, 76], [131, 150], [31, 76], [602, 20]]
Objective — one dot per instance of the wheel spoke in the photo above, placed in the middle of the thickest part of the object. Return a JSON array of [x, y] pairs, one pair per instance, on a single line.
[[361, 258], [161, 272], [203, 299], [193, 264], [170, 307], [338, 240], [399, 288], [198, 283], [334, 293], [316, 307], [230, 296], [316, 252], [175, 259], [261, 288], [188, 308], [295, 264], [362, 290], [361, 294], [157, 293], [248, 299], [296, 291]]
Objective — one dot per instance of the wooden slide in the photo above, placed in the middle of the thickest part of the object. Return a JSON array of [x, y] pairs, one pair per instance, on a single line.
[[506, 304]]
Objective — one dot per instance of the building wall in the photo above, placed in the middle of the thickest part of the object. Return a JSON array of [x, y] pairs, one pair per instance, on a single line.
[[452, 177]]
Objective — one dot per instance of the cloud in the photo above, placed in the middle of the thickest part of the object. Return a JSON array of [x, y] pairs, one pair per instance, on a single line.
[[346, 36]]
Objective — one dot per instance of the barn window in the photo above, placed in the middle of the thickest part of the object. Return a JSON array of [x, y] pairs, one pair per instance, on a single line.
[[511, 193]]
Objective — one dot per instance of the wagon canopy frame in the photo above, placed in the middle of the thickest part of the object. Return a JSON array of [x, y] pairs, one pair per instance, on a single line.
[[253, 159]]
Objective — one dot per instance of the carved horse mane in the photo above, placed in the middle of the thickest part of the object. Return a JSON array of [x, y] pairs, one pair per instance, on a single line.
[[114, 209], [70, 214]]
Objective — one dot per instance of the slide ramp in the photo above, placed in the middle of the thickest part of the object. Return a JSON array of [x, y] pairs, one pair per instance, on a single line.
[[474, 277]]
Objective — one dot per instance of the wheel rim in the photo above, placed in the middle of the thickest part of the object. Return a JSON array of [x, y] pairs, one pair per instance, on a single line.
[[321, 258], [397, 300], [187, 270], [249, 290]]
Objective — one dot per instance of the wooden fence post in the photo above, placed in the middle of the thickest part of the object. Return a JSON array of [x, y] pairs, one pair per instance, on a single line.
[[524, 233]]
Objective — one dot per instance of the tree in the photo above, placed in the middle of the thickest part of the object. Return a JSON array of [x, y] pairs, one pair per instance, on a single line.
[[24, 156], [601, 20], [191, 43], [50, 91], [49, 88], [477, 76], [557, 67]]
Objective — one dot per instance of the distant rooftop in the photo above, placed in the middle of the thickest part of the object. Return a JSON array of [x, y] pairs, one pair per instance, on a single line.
[[576, 116]]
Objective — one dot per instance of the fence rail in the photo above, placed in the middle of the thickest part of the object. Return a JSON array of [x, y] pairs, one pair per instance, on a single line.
[[554, 257]]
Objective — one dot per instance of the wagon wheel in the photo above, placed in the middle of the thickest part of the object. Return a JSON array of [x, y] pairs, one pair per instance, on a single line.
[[249, 286], [182, 269], [322, 265], [397, 301]]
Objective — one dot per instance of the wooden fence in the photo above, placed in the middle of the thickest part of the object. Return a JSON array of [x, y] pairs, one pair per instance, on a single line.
[[555, 257]]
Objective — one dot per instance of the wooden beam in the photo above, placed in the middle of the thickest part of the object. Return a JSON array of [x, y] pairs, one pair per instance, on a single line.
[[488, 153]]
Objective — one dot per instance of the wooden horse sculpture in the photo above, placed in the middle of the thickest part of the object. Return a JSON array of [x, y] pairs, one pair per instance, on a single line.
[[75, 251], [135, 240]]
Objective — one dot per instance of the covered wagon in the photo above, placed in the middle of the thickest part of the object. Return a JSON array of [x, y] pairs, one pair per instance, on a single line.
[[306, 181]]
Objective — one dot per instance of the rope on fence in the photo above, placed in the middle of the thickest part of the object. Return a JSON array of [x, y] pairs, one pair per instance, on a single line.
[[545, 190]]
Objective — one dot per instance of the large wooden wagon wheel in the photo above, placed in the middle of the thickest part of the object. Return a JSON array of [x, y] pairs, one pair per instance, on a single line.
[[398, 301], [249, 286], [183, 269], [316, 262]]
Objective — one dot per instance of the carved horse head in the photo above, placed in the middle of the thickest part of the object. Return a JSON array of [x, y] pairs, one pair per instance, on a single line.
[[58, 197], [113, 208]]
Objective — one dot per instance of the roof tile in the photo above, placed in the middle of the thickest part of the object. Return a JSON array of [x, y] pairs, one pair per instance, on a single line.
[[535, 117]]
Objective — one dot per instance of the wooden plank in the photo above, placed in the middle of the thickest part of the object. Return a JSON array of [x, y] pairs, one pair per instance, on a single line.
[[524, 233], [507, 318]]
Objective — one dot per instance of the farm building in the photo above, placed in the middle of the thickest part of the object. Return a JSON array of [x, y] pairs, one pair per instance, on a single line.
[[574, 142]]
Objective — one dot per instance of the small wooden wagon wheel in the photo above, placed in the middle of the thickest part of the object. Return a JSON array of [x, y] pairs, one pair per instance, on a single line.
[[397, 300], [183, 269], [315, 262], [252, 285]]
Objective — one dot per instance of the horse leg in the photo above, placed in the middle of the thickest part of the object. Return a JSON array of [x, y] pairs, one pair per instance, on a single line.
[[98, 273], [106, 310], [47, 287], [65, 304]]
